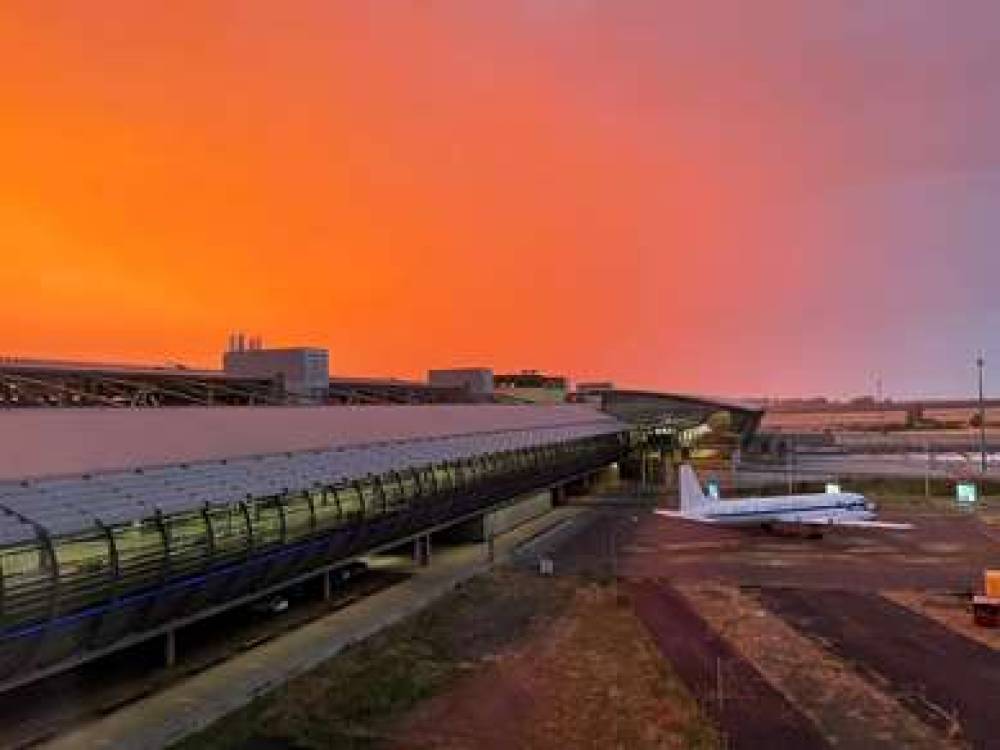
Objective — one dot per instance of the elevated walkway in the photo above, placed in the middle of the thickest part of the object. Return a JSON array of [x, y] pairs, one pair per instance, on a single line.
[[98, 561], [185, 708]]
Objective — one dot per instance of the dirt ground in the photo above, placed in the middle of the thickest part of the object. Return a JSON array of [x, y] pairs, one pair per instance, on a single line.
[[509, 659], [592, 679], [849, 709], [952, 611], [351, 700]]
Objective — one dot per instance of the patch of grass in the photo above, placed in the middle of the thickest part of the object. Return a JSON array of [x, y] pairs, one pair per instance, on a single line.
[[697, 731], [349, 701]]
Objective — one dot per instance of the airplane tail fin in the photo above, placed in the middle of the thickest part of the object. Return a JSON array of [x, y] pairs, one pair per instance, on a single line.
[[692, 495]]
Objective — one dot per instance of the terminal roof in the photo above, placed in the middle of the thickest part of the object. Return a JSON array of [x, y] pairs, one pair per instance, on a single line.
[[54, 442], [375, 440]]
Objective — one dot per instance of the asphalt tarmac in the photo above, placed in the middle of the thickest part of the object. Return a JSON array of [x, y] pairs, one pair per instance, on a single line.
[[945, 552], [938, 673]]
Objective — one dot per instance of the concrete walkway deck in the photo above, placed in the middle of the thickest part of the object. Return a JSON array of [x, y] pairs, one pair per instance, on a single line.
[[191, 705]]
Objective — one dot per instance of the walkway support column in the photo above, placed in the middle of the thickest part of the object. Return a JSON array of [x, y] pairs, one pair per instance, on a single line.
[[169, 649], [490, 543], [422, 550]]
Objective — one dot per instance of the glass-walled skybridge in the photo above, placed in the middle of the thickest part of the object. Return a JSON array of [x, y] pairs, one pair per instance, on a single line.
[[97, 562]]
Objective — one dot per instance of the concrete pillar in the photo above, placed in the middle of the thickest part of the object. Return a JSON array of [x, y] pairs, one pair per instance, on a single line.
[[488, 535], [169, 649], [422, 550]]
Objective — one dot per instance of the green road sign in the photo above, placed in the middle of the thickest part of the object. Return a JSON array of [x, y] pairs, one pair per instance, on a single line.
[[966, 492]]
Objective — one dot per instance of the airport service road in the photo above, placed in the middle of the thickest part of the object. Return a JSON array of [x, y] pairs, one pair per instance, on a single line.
[[931, 668], [818, 467], [750, 713], [944, 552]]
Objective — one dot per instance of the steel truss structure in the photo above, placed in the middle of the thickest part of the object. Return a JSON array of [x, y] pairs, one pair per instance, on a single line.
[[35, 384]]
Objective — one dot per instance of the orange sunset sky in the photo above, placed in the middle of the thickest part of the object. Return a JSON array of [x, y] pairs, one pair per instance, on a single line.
[[743, 197]]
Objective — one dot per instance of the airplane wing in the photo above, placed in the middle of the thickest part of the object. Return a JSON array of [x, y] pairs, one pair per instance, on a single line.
[[888, 525], [682, 515]]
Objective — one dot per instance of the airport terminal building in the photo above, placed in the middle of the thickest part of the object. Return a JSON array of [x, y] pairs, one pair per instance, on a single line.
[[120, 522]]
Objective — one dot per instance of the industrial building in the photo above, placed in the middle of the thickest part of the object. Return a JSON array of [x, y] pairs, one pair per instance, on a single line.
[[476, 380], [302, 373], [533, 386]]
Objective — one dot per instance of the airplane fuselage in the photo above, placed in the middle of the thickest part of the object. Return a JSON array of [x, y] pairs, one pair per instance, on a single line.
[[843, 509], [790, 509]]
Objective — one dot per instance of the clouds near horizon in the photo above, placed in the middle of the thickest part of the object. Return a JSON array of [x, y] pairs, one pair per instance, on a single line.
[[738, 197]]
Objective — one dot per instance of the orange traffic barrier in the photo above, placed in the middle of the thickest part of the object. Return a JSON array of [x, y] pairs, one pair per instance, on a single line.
[[993, 583]]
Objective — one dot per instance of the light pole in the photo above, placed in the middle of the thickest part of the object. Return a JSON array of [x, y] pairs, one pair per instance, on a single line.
[[614, 530], [980, 362], [927, 468], [790, 459]]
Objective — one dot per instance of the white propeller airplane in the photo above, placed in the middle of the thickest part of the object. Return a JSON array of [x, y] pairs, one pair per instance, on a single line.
[[814, 511]]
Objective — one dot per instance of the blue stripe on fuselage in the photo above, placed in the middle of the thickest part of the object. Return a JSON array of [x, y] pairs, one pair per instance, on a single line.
[[777, 511]]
